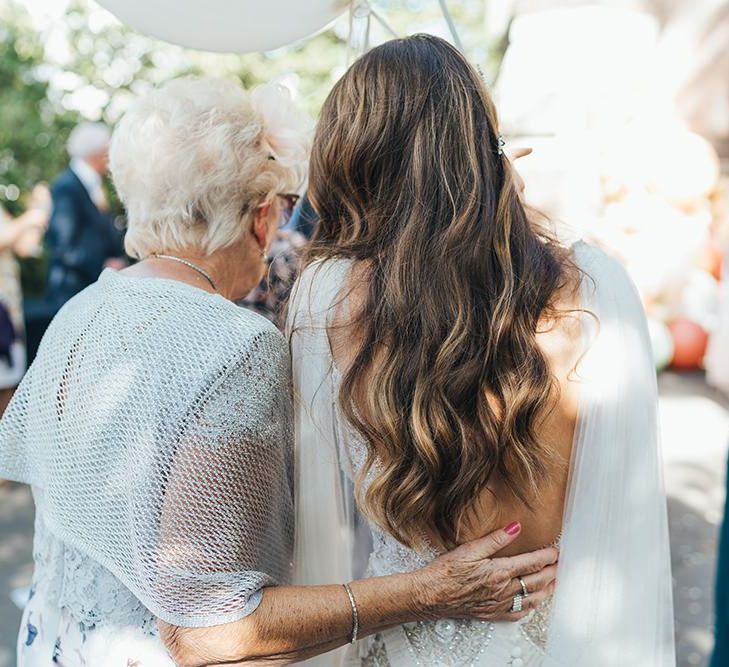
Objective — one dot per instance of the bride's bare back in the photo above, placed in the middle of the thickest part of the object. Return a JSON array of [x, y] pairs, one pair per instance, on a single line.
[[562, 344]]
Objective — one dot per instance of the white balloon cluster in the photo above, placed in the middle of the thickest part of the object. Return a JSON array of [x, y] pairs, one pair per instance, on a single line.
[[228, 26]]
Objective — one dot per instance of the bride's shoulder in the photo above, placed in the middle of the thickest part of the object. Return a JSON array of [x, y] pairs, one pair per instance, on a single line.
[[322, 268], [609, 294], [601, 270], [588, 255], [317, 286]]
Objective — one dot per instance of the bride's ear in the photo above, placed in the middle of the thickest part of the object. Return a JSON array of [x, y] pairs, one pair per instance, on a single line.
[[259, 226]]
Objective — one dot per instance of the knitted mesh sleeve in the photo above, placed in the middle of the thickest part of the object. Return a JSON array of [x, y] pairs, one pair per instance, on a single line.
[[156, 427]]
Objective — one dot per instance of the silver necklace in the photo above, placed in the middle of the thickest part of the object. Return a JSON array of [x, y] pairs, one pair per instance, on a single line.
[[190, 265]]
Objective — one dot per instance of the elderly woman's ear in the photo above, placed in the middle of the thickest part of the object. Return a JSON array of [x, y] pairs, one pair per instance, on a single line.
[[261, 227]]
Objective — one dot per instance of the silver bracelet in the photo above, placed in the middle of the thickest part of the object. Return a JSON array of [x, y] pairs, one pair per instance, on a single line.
[[355, 614]]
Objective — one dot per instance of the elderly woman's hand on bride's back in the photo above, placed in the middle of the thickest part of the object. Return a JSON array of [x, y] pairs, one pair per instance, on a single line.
[[469, 582]]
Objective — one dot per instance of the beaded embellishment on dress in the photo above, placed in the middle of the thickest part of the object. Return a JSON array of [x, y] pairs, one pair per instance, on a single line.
[[536, 627], [448, 642]]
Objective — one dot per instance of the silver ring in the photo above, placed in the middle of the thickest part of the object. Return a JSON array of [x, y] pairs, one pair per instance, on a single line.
[[524, 590], [516, 605]]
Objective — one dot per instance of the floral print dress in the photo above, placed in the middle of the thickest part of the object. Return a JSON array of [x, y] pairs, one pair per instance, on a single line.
[[50, 635], [80, 615]]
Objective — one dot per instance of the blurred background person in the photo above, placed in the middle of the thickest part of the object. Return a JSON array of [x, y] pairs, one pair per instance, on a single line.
[[717, 375], [720, 656], [269, 297], [82, 239], [19, 237], [304, 218]]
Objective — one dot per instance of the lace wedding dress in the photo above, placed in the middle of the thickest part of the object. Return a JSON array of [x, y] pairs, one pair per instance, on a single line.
[[613, 602]]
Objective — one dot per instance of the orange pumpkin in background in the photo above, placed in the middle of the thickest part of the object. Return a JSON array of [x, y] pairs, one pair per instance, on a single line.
[[689, 344]]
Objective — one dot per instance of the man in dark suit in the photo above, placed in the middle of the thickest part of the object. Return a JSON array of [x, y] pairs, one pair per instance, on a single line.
[[81, 237]]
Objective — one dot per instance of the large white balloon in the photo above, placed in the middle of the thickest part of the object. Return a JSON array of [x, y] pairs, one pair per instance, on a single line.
[[230, 26]]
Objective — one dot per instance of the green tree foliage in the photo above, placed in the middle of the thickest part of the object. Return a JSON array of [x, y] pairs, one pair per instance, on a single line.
[[32, 132], [108, 64]]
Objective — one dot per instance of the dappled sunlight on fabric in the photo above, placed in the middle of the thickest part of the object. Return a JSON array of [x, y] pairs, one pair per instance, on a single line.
[[123, 647], [581, 583], [608, 376], [112, 389], [614, 551]]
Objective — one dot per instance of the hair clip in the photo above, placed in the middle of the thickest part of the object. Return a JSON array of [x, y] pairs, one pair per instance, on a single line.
[[502, 143]]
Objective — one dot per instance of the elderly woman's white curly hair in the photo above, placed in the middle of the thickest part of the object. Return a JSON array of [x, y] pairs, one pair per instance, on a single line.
[[194, 157]]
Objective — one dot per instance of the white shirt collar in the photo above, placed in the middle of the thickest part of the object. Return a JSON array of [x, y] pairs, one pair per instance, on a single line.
[[89, 178]]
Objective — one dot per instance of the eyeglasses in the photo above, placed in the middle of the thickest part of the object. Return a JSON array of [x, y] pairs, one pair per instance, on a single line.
[[289, 200]]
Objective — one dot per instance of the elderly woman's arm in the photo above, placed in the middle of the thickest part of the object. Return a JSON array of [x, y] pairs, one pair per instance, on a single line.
[[295, 623]]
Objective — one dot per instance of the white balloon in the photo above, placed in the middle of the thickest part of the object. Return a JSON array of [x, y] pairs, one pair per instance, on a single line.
[[228, 26]]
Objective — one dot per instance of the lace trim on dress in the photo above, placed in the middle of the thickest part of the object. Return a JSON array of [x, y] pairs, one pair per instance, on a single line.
[[77, 583], [535, 627]]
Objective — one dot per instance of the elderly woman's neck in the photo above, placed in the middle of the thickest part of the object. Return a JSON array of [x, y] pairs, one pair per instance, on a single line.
[[231, 272], [236, 270]]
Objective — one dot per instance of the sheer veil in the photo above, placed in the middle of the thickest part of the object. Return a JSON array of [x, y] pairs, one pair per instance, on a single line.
[[324, 547], [613, 605], [613, 602]]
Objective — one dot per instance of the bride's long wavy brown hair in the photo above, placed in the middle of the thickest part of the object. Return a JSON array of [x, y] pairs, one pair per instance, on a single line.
[[448, 385]]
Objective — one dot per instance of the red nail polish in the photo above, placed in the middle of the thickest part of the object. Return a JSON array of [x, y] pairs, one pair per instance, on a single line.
[[513, 528]]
